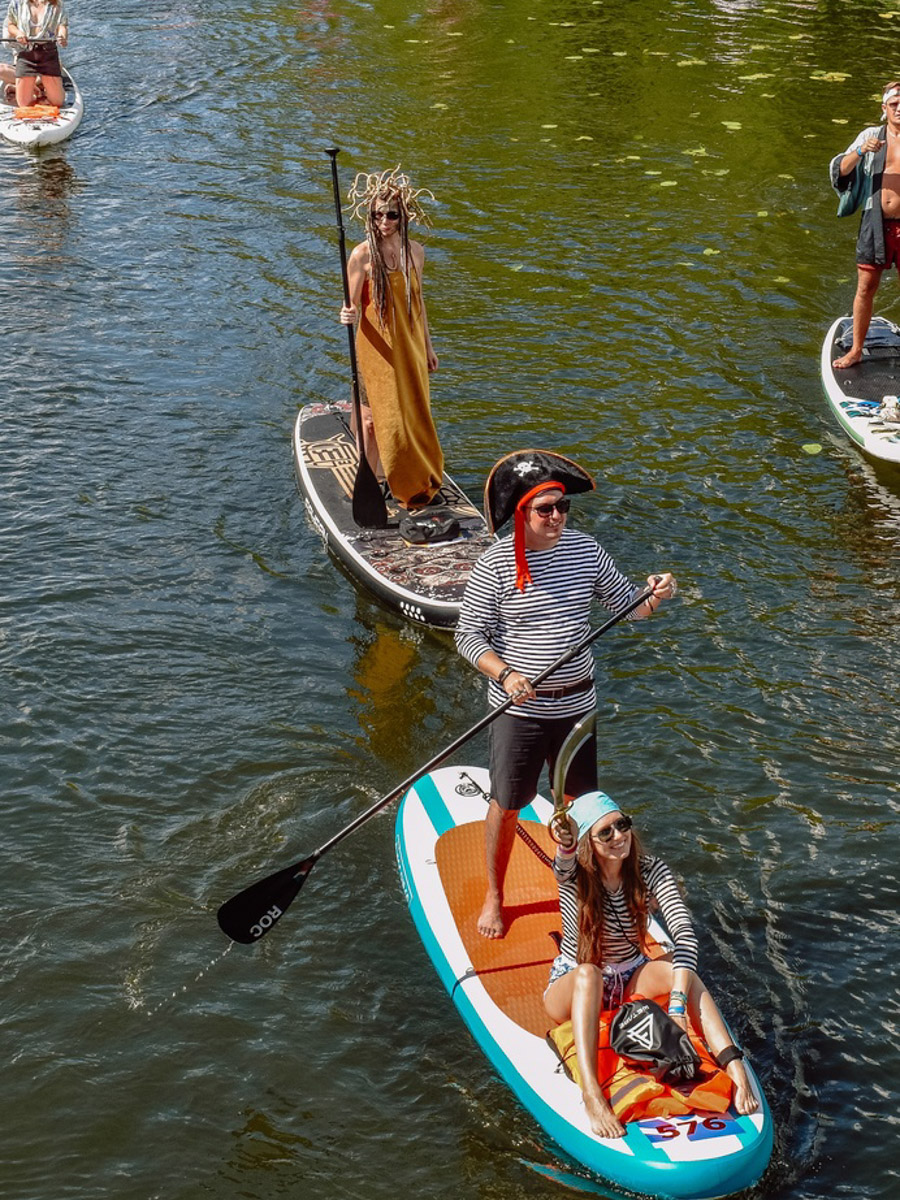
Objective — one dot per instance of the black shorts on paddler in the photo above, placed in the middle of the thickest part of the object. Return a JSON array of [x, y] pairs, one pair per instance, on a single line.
[[38, 60], [519, 748]]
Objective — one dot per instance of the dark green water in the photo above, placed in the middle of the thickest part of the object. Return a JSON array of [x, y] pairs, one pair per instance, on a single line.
[[635, 258]]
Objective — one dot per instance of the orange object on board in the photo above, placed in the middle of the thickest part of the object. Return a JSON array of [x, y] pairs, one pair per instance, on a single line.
[[634, 1094], [37, 112]]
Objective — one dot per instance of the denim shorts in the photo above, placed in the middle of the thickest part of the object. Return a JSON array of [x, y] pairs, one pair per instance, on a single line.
[[615, 976]]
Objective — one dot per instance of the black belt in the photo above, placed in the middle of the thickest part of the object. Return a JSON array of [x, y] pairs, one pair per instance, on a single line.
[[571, 689]]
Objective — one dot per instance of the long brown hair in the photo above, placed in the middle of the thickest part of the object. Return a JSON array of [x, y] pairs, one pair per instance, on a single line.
[[591, 895]]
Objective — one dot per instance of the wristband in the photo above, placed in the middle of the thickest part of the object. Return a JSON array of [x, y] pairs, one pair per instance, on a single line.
[[860, 152], [676, 1011], [504, 674], [676, 994]]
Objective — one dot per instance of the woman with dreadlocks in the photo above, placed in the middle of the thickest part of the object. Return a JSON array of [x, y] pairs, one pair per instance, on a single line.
[[607, 885], [393, 344]]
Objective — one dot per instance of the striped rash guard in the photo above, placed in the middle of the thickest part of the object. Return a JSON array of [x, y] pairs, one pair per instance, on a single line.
[[531, 629], [620, 934]]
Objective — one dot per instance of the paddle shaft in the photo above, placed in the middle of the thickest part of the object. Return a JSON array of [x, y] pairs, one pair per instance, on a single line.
[[486, 720], [369, 508], [342, 241], [250, 914], [479, 725]]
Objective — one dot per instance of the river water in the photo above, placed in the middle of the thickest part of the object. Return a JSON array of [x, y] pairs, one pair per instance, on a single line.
[[634, 260]]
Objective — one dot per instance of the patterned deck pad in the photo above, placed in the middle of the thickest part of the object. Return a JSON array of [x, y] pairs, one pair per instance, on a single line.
[[435, 571]]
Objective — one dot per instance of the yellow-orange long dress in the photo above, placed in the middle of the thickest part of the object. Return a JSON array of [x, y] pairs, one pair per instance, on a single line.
[[394, 369]]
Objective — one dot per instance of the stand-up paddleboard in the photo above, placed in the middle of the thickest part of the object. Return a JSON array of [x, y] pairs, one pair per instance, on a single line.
[[862, 397], [36, 130], [424, 581], [497, 985]]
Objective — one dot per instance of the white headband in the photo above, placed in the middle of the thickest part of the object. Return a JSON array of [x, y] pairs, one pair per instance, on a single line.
[[889, 94]]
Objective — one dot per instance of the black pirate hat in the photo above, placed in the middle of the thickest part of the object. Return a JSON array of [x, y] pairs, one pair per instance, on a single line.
[[517, 474]]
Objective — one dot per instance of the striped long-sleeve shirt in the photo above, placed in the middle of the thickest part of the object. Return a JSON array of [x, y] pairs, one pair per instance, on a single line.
[[620, 933], [531, 629]]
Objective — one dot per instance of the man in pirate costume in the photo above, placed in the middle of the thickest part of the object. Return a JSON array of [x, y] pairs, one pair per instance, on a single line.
[[393, 342], [528, 600]]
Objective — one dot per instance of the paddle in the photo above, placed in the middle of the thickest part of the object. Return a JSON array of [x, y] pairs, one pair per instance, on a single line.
[[250, 914], [369, 508]]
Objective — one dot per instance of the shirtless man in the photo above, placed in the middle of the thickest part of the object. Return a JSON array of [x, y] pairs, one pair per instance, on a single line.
[[876, 151]]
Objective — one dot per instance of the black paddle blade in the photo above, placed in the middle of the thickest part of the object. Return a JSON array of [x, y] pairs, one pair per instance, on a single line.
[[250, 914], [369, 508]]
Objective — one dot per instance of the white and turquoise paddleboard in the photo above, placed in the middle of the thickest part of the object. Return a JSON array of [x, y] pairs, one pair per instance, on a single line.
[[497, 987]]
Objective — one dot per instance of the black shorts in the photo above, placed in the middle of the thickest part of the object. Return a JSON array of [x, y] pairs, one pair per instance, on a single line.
[[521, 746], [38, 60]]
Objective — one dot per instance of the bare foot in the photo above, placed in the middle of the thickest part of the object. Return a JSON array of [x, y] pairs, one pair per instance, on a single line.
[[604, 1121], [850, 359], [490, 923], [744, 1100]]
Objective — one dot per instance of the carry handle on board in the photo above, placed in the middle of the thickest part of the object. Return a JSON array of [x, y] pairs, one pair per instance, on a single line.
[[250, 914], [369, 508]]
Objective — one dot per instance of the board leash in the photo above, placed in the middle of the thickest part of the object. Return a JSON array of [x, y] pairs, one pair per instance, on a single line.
[[526, 837]]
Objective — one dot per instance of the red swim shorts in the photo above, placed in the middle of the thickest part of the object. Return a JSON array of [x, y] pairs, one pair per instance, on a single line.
[[891, 248]]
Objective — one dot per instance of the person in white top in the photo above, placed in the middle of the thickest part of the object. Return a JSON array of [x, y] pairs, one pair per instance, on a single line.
[[870, 167], [40, 27]]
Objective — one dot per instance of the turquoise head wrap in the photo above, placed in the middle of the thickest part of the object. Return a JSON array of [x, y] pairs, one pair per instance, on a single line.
[[589, 808]]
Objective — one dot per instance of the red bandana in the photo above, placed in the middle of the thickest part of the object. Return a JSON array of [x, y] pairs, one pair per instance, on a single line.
[[523, 575]]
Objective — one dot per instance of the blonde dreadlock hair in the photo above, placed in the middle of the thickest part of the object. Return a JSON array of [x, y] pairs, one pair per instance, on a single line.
[[366, 193], [591, 894]]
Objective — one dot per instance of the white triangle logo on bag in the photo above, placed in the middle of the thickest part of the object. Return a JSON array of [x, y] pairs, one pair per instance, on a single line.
[[642, 1033]]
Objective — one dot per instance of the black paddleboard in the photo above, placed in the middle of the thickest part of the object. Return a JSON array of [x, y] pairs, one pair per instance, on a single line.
[[423, 580]]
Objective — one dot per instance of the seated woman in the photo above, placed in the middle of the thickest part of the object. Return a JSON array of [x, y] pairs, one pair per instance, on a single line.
[[45, 23], [607, 886], [8, 80]]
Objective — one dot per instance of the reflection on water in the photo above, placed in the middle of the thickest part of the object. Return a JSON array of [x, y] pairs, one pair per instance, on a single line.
[[392, 694], [35, 221]]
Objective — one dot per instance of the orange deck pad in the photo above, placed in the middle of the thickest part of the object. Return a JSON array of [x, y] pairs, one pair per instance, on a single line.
[[515, 969]]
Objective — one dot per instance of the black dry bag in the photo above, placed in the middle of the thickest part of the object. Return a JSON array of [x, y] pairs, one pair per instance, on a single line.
[[641, 1032]]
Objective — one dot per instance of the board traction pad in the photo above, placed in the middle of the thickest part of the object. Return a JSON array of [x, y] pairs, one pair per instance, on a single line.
[[435, 571]]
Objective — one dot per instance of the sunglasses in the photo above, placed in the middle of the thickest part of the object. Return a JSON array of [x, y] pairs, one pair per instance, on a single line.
[[622, 825], [545, 511], [387, 214]]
